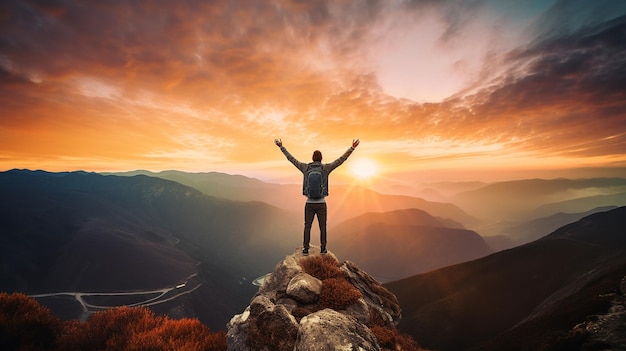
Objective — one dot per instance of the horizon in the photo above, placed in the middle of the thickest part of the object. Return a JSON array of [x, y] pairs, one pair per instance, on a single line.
[[400, 184], [450, 91]]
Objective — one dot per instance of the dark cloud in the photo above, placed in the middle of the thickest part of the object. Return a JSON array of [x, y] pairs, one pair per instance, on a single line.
[[566, 17], [571, 90]]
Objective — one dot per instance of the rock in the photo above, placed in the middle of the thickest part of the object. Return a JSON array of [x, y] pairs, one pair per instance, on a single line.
[[304, 288], [289, 303], [280, 277], [359, 310], [259, 305], [287, 312], [237, 336], [377, 297], [271, 327], [608, 328], [331, 330]]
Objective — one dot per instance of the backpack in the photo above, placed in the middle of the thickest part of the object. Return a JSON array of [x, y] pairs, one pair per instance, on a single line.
[[314, 188]]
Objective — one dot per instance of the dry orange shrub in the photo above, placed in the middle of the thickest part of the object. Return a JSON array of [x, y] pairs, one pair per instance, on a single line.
[[321, 266], [338, 294], [184, 334], [138, 329], [391, 339], [26, 325]]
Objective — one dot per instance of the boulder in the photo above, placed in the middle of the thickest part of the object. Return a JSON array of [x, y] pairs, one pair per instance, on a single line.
[[271, 327], [330, 330], [280, 277], [304, 288]]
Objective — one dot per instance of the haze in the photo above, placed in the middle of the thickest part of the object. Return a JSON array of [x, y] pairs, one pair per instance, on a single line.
[[435, 90]]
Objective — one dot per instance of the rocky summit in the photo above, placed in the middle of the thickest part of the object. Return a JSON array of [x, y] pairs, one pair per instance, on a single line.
[[317, 303]]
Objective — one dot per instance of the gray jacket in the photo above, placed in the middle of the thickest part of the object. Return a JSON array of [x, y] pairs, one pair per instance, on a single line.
[[326, 167]]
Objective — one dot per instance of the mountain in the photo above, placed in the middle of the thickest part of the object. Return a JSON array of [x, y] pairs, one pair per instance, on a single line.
[[582, 204], [227, 186], [446, 190], [418, 242], [85, 232], [499, 242], [519, 200], [537, 228], [520, 299], [345, 201]]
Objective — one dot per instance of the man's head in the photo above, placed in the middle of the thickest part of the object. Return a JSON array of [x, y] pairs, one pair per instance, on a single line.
[[317, 155]]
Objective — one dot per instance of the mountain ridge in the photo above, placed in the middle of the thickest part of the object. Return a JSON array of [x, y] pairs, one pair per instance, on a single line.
[[506, 288]]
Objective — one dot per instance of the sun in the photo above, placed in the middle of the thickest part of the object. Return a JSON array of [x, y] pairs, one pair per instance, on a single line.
[[364, 168]]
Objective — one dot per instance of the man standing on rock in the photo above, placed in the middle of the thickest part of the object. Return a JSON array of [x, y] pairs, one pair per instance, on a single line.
[[315, 188]]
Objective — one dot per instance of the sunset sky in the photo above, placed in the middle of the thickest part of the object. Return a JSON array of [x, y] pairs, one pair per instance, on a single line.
[[433, 89]]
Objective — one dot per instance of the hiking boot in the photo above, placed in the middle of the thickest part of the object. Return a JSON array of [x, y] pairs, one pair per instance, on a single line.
[[305, 251], [323, 250]]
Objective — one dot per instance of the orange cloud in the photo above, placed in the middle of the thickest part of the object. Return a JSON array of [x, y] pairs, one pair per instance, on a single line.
[[201, 85]]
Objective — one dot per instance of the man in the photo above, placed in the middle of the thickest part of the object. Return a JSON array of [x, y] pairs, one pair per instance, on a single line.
[[316, 202]]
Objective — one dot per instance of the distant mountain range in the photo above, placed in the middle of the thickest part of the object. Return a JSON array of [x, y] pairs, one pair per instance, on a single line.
[[418, 242], [535, 229], [523, 200], [491, 209], [344, 201], [525, 296]]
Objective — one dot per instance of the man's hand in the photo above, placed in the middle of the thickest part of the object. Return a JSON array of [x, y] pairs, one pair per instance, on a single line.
[[355, 143], [278, 142]]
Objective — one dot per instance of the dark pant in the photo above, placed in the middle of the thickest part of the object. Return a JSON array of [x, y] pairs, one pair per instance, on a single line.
[[310, 210]]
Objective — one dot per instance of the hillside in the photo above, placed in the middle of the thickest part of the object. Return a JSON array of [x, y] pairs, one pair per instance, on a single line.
[[523, 296], [419, 243], [88, 232]]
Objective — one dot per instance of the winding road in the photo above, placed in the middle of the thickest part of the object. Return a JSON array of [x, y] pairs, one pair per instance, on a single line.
[[162, 295]]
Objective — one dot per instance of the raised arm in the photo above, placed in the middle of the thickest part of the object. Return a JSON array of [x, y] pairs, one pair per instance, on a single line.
[[299, 165], [336, 163]]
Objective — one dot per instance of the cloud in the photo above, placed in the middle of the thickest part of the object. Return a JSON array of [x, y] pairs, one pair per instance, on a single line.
[[153, 81], [566, 17], [569, 91]]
